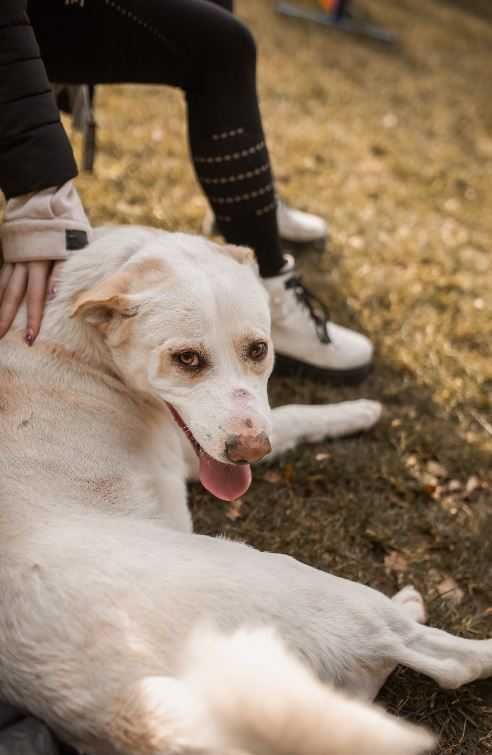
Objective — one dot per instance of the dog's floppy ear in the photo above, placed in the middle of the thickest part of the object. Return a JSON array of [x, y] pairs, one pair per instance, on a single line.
[[108, 298]]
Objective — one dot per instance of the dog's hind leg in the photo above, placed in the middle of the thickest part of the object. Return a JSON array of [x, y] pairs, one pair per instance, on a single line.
[[368, 682], [451, 661], [298, 423]]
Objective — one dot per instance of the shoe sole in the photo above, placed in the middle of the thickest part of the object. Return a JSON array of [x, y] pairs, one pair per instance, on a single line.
[[290, 367]]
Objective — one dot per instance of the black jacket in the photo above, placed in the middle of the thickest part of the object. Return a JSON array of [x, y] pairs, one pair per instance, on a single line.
[[35, 152]]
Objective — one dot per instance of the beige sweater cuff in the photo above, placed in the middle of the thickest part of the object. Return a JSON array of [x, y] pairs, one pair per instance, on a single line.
[[47, 225]]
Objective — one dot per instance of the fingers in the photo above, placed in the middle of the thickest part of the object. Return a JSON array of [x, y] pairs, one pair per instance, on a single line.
[[37, 285], [32, 280], [5, 273], [12, 295], [54, 278]]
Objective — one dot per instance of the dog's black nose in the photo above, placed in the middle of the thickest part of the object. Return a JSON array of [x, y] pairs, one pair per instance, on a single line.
[[247, 448]]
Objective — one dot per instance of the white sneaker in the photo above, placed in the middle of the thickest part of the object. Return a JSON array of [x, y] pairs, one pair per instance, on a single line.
[[298, 227], [294, 226], [305, 341]]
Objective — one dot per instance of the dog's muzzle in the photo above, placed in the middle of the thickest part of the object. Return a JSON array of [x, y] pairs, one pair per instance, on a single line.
[[247, 449]]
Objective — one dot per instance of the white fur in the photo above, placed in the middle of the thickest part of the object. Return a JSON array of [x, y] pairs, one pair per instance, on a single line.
[[106, 598]]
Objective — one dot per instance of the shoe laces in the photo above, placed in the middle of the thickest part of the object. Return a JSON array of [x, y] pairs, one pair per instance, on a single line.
[[316, 310]]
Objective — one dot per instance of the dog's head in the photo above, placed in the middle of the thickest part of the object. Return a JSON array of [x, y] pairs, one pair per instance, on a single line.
[[187, 322]]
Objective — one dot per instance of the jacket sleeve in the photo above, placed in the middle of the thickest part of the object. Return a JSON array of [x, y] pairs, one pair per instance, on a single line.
[[45, 225], [35, 152]]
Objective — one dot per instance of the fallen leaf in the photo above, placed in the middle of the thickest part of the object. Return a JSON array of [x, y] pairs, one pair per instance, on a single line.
[[429, 484], [233, 510], [394, 561], [454, 485], [439, 492], [288, 472], [449, 590], [436, 470], [472, 484], [390, 120], [272, 476]]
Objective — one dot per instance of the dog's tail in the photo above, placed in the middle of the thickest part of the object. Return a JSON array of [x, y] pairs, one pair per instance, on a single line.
[[246, 693]]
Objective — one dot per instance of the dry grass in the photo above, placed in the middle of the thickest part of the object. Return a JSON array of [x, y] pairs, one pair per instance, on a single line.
[[395, 148]]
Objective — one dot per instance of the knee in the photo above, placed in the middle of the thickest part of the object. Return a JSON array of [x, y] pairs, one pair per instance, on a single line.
[[236, 46], [244, 43], [226, 4]]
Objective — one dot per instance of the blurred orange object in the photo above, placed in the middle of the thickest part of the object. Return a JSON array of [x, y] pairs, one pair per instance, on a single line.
[[339, 15]]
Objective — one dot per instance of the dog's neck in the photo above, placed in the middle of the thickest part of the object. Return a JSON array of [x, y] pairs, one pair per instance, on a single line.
[[80, 339], [75, 336]]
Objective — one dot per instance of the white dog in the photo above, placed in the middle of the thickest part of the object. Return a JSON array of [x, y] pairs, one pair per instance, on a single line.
[[120, 628]]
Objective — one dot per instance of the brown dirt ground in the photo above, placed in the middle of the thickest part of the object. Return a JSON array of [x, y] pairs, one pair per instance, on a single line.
[[395, 149]]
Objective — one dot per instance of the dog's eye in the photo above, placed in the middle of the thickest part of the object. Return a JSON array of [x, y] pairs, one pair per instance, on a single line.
[[258, 350], [190, 359]]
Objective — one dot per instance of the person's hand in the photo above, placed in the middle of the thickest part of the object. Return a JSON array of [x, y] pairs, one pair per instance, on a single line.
[[33, 281]]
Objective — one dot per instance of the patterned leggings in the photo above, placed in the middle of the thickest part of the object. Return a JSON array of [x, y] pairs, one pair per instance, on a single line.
[[200, 47]]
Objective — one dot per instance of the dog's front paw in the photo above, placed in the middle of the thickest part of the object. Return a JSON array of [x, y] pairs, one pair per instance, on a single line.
[[363, 414], [345, 418]]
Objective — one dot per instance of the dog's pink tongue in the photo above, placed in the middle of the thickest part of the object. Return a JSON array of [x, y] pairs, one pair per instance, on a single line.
[[225, 481]]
